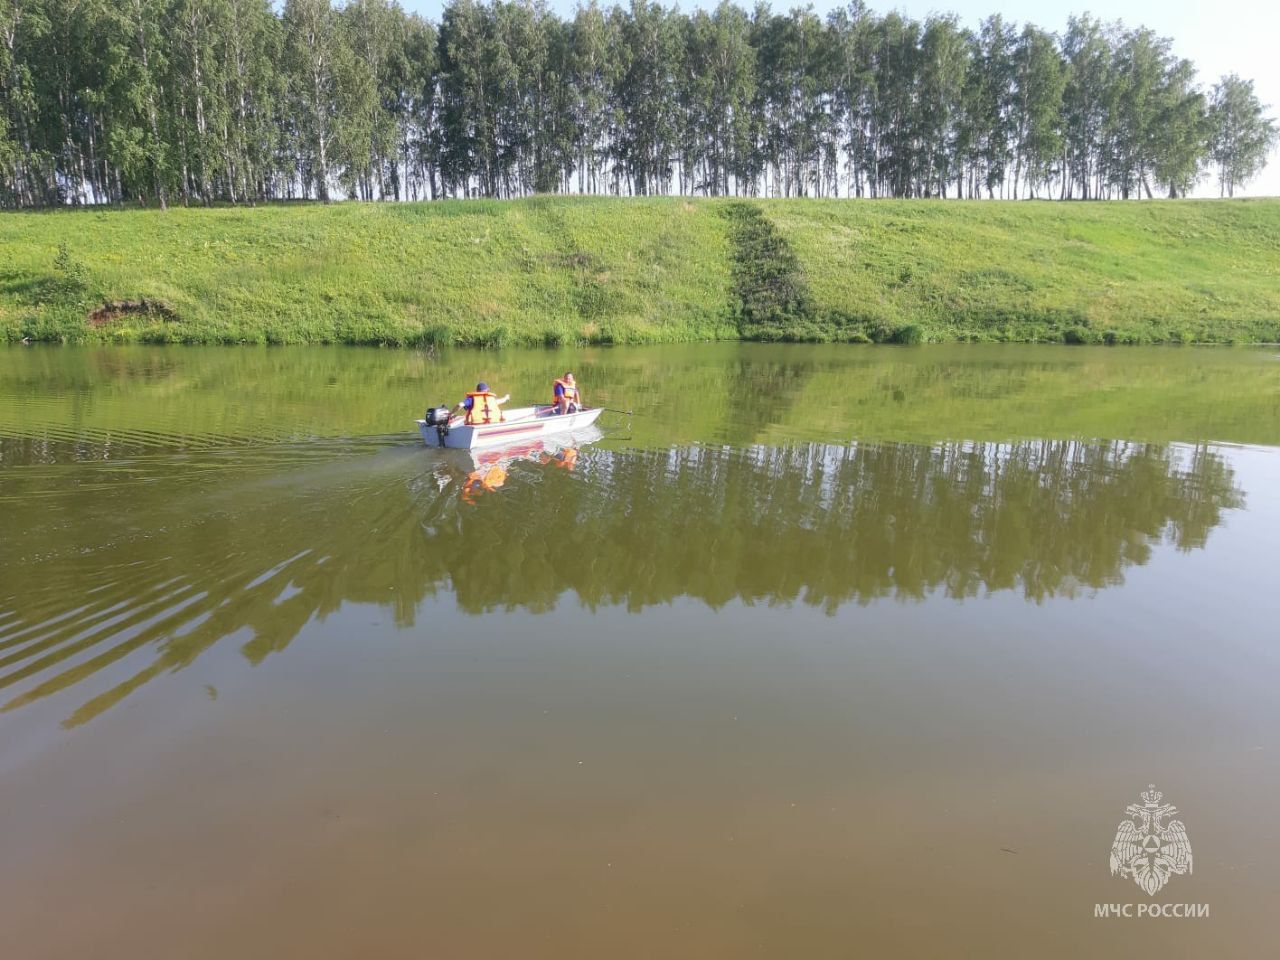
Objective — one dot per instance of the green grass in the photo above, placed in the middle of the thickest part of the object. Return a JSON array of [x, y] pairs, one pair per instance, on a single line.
[[1132, 272], [769, 284], [604, 270]]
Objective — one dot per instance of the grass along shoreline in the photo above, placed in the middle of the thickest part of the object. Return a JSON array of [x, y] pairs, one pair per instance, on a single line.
[[557, 270]]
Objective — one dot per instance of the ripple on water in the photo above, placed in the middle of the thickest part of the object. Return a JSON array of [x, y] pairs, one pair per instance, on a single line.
[[179, 555]]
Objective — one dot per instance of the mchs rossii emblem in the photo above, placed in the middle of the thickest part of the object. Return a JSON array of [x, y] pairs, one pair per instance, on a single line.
[[1149, 847]]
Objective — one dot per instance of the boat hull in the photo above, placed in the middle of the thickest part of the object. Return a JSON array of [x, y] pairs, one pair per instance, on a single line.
[[520, 425]]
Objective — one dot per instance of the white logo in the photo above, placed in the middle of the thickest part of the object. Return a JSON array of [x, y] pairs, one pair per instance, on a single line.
[[1148, 850]]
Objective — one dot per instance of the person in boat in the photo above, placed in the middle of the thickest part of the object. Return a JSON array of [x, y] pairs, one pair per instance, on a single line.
[[568, 398], [482, 405]]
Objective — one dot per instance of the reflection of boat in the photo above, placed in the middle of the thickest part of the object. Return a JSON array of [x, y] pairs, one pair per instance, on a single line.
[[520, 424], [489, 469], [539, 451]]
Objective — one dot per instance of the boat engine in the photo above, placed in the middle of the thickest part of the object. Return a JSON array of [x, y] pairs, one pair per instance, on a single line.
[[438, 417]]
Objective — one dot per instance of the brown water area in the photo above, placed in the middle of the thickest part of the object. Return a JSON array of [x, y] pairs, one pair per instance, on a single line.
[[823, 652]]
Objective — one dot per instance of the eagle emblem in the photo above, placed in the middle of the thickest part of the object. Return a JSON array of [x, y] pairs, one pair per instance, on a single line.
[[1149, 847]]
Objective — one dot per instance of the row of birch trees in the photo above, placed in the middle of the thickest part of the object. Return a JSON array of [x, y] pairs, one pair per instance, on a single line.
[[197, 101]]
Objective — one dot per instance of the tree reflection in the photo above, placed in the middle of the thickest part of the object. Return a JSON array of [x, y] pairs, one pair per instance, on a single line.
[[257, 549]]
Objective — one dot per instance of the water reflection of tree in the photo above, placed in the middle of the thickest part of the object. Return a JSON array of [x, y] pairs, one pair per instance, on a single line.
[[827, 525], [815, 524]]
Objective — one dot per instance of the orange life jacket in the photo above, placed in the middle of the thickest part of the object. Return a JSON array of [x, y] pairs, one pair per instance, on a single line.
[[484, 409], [570, 391]]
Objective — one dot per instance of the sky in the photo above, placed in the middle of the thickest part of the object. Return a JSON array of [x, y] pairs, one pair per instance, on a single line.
[[1229, 36]]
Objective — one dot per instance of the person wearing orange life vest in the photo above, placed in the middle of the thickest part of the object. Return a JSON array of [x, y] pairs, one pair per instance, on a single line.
[[567, 396], [482, 405]]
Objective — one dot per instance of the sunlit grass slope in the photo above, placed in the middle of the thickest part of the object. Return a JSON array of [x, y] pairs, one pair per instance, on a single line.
[[478, 272], [606, 270], [1084, 272]]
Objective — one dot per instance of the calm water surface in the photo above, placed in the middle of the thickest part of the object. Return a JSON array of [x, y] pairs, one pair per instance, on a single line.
[[825, 652]]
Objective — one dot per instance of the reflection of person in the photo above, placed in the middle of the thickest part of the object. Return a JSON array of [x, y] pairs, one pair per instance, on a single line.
[[568, 398], [565, 459], [482, 480], [481, 405]]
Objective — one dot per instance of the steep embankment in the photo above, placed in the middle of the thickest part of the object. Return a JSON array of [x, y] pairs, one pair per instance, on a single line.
[[565, 270]]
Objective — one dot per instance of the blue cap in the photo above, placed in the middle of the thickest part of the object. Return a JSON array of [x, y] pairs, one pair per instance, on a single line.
[[482, 387]]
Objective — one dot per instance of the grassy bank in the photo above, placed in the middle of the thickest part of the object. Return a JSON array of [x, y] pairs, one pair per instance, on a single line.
[[601, 270]]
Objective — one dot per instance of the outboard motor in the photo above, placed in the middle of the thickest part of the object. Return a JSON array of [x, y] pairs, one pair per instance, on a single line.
[[438, 417]]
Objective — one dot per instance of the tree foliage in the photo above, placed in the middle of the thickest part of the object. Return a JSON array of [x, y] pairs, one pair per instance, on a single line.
[[103, 101], [1240, 136]]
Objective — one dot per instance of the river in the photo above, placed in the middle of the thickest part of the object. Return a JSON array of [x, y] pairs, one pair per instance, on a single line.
[[823, 651]]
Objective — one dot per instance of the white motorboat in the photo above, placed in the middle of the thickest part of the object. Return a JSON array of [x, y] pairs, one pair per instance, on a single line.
[[518, 425]]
